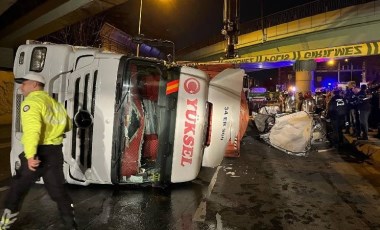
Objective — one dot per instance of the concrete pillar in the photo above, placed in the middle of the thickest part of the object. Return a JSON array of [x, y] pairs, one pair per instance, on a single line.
[[6, 58], [305, 75]]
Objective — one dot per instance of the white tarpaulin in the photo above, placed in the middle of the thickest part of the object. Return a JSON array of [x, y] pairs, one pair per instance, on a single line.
[[292, 132]]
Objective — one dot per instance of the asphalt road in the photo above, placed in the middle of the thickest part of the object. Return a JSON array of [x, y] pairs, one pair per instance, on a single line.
[[268, 189], [263, 189]]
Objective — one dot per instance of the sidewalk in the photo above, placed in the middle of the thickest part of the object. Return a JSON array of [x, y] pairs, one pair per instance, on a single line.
[[370, 147]]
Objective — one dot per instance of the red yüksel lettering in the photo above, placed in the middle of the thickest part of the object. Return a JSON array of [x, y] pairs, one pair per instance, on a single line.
[[189, 132]]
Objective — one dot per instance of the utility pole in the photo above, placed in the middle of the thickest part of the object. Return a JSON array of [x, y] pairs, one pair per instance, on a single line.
[[231, 26], [139, 32], [364, 78], [262, 21], [338, 71]]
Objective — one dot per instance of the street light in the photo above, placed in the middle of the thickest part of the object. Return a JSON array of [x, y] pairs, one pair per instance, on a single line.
[[346, 60], [139, 33], [331, 62]]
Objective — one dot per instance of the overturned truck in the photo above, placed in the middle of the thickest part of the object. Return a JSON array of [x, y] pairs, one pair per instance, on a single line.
[[135, 120]]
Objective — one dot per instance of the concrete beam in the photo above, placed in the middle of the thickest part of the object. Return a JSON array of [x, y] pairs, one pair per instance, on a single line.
[[5, 4], [6, 58], [52, 16]]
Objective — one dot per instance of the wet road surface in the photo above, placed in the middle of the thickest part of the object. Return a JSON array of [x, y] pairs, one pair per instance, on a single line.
[[267, 189], [106, 207], [263, 189]]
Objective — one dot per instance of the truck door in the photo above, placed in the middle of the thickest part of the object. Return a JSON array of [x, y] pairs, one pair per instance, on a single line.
[[144, 123]]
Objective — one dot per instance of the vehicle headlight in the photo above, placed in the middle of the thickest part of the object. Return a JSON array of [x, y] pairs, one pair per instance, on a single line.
[[21, 58], [17, 165], [38, 59]]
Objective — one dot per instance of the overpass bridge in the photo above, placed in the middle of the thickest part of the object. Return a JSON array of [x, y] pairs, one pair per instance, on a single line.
[[326, 25], [346, 32]]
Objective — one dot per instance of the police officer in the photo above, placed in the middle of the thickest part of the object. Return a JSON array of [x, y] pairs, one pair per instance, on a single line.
[[364, 107], [336, 112], [44, 122], [352, 111]]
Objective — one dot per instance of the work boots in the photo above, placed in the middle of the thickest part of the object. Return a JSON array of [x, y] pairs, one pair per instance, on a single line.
[[7, 219], [347, 126], [364, 137]]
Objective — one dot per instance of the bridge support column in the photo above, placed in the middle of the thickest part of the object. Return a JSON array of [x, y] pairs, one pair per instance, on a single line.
[[305, 75]]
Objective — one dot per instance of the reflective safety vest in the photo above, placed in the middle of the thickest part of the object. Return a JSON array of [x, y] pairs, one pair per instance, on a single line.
[[43, 120]]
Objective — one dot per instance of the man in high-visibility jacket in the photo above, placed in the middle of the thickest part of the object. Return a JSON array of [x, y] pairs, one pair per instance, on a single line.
[[44, 122]]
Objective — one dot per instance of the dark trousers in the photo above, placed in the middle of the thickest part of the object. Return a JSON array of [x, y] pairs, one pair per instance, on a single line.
[[363, 116], [51, 170], [350, 120], [357, 123], [337, 126]]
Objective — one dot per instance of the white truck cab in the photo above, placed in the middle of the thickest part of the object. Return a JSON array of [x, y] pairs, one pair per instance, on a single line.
[[135, 120]]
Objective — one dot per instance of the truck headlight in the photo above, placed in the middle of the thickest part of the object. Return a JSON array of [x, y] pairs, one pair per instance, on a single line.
[[17, 165], [21, 58], [38, 59]]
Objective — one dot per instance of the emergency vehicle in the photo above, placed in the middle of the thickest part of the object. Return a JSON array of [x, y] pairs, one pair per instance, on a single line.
[[135, 120]]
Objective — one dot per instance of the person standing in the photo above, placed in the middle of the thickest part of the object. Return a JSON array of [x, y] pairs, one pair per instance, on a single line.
[[364, 107], [300, 101], [308, 104], [290, 102], [351, 110], [377, 113], [320, 101], [44, 122], [336, 113]]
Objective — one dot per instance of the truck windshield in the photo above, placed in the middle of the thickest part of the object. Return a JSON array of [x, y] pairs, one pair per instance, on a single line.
[[144, 123]]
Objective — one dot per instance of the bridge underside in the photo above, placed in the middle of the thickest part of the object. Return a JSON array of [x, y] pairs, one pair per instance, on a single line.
[[21, 21], [48, 17]]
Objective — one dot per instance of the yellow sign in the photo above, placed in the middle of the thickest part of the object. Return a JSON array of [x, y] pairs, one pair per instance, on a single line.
[[364, 49]]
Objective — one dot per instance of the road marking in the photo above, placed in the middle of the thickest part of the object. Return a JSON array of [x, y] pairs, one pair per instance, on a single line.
[[325, 150], [2, 189], [200, 213], [213, 181], [219, 224]]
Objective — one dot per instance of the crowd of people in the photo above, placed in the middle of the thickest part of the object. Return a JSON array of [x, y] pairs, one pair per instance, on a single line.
[[353, 110]]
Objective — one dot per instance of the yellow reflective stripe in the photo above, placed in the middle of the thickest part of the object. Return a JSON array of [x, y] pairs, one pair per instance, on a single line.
[[31, 124]]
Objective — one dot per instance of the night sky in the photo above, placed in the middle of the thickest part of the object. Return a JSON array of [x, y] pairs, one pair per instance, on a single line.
[[251, 9], [187, 22]]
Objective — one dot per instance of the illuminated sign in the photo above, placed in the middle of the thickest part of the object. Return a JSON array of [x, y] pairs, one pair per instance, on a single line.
[[258, 90]]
